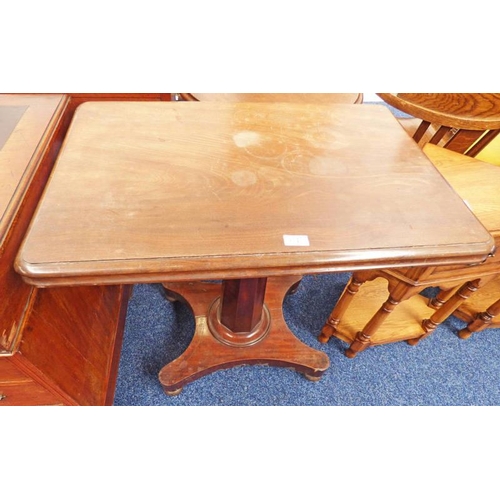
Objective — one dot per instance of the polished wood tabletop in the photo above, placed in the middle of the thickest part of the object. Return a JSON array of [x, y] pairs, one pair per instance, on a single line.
[[315, 98], [148, 191]]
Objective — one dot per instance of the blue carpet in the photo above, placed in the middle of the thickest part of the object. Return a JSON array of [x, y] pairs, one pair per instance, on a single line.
[[442, 370]]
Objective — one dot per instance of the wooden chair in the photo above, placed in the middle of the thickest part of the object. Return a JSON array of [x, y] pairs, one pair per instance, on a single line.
[[382, 306], [465, 123], [312, 98]]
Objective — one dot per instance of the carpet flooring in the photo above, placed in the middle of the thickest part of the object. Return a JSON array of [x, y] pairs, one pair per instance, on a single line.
[[442, 370]]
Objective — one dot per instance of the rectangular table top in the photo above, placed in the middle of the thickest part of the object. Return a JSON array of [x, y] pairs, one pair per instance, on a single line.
[[26, 124], [146, 191]]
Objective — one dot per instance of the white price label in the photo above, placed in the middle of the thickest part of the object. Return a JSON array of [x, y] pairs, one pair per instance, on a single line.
[[296, 240]]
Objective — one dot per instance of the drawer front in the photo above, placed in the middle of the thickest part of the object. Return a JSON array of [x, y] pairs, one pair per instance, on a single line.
[[26, 394], [18, 389]]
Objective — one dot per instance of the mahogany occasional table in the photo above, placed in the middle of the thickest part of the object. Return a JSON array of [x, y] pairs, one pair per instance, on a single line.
[[253, 194]]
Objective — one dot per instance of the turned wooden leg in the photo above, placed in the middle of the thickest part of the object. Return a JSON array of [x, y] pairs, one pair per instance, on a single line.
[[397, 294], [481, 321], [340, 308], [447, 309], [239, 317], [442, 297], [363, 338]]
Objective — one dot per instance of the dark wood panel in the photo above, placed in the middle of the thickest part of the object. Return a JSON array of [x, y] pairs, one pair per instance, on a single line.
[[74, 336], [26, 394], [17, 388]]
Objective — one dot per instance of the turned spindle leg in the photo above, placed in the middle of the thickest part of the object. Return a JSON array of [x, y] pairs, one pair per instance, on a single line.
[[239, 317], [340, 308], [447, 309], [481, 321], [363, 338], [442, 297]]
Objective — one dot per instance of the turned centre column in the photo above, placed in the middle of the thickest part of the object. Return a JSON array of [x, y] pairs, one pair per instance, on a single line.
[[239, 317]]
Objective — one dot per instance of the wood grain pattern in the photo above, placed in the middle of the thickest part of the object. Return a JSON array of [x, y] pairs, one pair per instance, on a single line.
[[334, 98], [17, 388], [140, 185], [74, 337], [465, 123], [469, 111], [477, 183]]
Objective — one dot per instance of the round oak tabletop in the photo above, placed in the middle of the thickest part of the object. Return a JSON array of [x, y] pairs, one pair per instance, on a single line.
[[333, 98]]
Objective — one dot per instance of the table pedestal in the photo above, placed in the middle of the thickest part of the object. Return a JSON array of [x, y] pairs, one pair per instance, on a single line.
[[273, 344]]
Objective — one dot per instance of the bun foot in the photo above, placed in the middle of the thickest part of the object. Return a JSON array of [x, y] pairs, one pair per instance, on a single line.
[[413, 342], [350, 353], [176, 392], [464, 334], [323, 338]]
